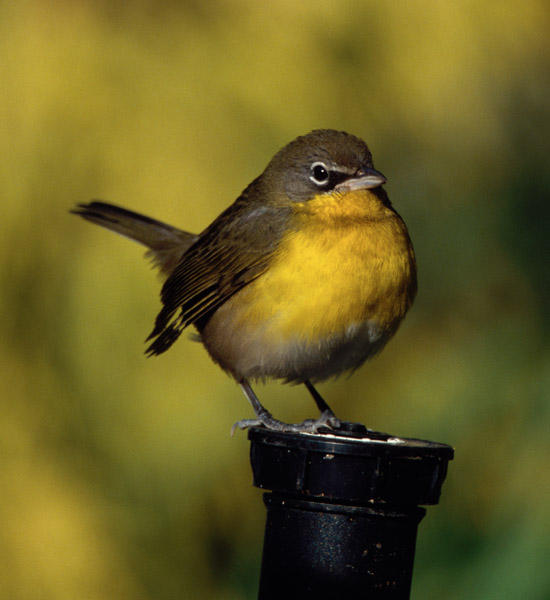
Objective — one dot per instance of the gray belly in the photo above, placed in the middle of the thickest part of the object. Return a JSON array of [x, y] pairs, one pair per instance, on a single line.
[[259, 354]]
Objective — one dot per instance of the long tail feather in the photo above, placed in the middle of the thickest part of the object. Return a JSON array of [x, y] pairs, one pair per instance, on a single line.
[[166, 244]]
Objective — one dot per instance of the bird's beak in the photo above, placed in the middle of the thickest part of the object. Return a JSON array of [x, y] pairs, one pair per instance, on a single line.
[[366, 179]]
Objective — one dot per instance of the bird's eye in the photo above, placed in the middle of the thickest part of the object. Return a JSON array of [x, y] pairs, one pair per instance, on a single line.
[[319, 174]]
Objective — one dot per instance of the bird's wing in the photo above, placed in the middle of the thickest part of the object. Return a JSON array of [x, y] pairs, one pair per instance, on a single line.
[[233, 251]]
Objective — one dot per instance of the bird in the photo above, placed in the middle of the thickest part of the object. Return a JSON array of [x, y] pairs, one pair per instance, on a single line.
[[304, 277]]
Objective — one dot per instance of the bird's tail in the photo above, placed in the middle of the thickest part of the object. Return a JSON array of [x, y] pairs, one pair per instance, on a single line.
[[166, 244]]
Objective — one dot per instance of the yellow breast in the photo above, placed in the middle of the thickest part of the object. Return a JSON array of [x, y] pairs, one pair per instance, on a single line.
[[346, 260]]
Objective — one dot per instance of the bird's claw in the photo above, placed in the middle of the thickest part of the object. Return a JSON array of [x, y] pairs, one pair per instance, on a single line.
[[327, 420], [245, 424]]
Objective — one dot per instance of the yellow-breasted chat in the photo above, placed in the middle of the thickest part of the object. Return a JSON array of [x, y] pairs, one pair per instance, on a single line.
[[305, 276]]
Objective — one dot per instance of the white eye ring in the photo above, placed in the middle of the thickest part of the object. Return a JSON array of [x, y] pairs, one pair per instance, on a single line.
[[319, 174]]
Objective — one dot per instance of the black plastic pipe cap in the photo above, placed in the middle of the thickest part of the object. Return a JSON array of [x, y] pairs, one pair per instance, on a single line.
[[343, 515]]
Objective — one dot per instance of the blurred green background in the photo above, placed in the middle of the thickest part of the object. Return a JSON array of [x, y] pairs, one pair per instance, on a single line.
[[118, 475]]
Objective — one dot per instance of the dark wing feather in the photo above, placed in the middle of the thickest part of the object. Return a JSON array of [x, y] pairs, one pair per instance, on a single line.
[[234, 250]]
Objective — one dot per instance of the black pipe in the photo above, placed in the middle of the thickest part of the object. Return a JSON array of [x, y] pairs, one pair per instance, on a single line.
[[343, 510]]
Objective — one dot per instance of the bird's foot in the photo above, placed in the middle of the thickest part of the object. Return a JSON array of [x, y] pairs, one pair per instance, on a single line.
[[327, 420]]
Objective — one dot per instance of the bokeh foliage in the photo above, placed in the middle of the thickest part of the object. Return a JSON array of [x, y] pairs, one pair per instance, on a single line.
[[118, 476]]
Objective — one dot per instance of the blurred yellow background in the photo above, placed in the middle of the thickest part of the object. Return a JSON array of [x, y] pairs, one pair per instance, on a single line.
[[118, 475]]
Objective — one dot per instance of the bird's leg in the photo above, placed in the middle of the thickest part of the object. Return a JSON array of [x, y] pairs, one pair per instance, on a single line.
[[327, 418], [265, 418]]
